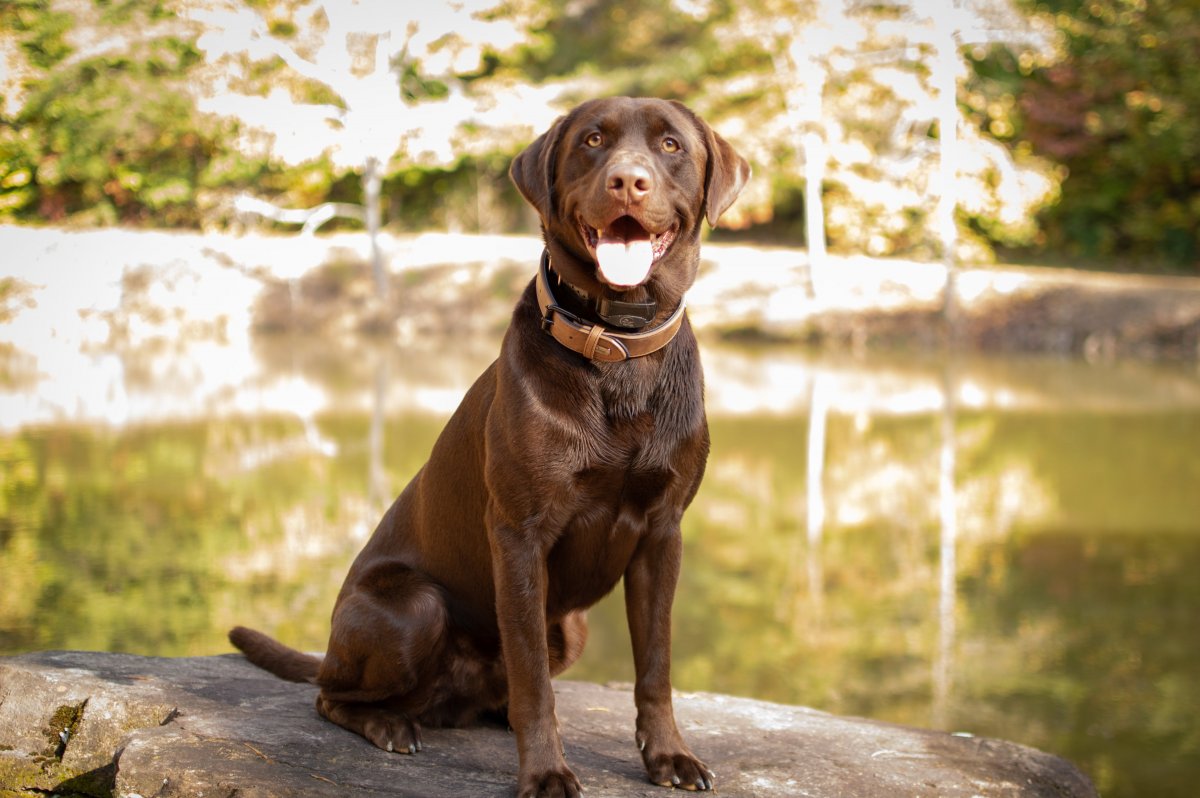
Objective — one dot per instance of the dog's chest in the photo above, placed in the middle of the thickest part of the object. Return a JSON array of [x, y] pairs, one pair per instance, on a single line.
[[610, 510], [649, 410], [634, 489]]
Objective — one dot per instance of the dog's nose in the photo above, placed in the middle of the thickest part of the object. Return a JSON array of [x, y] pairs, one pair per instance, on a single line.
[[629, 183]]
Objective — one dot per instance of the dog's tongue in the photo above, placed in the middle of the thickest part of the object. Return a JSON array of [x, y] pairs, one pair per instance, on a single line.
[[624, 262]]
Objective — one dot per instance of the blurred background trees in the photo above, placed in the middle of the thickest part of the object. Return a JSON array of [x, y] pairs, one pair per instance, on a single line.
[[97, 125], [1077, 139], [1117, 112]]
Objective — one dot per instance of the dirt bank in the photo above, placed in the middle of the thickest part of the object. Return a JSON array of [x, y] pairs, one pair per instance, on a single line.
[[772, 295], [451, 284]]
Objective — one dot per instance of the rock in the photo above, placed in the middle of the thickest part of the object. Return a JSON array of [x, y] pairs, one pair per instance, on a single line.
[[96, 724]]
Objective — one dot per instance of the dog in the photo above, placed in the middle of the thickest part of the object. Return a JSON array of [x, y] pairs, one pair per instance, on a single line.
[[567, 466]]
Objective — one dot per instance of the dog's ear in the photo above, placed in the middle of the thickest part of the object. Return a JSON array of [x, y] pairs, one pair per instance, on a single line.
[[727, 175], [726, 172], [532, 171]]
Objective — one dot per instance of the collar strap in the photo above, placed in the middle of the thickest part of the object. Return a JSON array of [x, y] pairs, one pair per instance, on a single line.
[[596, 341]]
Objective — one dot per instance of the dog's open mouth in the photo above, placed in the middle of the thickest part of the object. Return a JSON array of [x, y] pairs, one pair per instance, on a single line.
[[625, 251]]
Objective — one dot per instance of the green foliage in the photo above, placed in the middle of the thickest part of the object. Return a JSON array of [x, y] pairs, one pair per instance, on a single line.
[[420, 198], [101, 135], [44, 41], [110, 137], [649, 48], [645, 43], [1118, 112]]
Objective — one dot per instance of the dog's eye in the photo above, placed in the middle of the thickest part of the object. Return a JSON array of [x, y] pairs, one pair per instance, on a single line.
[[670, 145], [594, 140]]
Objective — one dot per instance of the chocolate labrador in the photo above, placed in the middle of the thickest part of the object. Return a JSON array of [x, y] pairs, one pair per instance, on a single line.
[[567, 466]]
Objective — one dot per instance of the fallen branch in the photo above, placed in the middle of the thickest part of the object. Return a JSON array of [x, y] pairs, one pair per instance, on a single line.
[[310, 219]]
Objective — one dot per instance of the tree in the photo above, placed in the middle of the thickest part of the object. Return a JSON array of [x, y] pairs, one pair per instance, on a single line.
[[835, 101], [95, 121], [1117, 110], [880, 117], [800, 49], [340, 79]]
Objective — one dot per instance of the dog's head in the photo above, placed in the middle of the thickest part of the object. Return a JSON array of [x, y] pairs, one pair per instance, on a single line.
[[622, 185]]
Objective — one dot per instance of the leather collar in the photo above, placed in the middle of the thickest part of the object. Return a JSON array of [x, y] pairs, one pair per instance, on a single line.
[[597, 341]]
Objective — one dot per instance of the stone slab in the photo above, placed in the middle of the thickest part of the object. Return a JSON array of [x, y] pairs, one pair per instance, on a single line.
[[86, 723]]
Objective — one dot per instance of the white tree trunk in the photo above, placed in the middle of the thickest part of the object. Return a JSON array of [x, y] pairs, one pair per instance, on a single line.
[[372, 182], [810, 109], [944, 76], [815, 156]]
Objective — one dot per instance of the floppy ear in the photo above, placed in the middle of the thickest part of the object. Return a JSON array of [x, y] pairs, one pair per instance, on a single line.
[[532, 171], [726, 177], [726, 172]]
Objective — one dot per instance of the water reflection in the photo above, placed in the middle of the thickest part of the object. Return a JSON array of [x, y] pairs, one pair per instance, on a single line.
[[818, 416], [1000, 547], [943, 669]]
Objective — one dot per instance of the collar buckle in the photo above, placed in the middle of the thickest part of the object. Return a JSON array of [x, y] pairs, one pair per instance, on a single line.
[[548, 317]]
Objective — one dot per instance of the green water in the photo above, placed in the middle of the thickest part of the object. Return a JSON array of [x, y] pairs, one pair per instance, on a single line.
[[1059, 608]]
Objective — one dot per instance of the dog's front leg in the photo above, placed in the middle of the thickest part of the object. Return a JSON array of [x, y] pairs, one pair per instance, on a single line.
[[649, 592], [519, 570]]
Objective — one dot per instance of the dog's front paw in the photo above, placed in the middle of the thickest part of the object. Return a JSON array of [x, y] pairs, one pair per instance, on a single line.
[[558, 782], [675, 768]]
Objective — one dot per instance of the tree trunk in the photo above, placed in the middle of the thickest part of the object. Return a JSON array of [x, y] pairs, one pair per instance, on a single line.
[[372, 181], [945, 65], [814, 206]]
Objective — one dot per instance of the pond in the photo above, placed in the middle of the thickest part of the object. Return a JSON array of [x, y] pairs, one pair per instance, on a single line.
[[1000, 547]]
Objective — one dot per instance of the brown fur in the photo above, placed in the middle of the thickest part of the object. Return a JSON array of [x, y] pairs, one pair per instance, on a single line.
[[556, 477]]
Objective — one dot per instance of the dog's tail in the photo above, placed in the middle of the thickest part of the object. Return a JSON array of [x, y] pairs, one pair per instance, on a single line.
[[271, 655]]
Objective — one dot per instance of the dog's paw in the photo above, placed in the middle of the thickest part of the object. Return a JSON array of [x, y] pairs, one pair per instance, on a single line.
[[394, 733], [385, 728], [557, 783], [679, 768]]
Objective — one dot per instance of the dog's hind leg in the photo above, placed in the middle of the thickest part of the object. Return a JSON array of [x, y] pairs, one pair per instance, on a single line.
[[388, 635], [387, 728]]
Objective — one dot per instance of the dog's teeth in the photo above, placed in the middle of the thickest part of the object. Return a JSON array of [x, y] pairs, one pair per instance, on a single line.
[[390, 747]]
